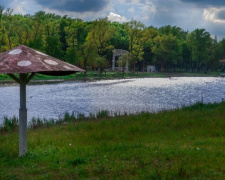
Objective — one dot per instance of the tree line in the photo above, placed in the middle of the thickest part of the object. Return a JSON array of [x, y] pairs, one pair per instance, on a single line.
[[89, 44]]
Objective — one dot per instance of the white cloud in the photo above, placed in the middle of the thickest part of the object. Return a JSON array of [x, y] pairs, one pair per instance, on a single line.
[[24, 6], [211, 14], [147, 11], [116, 17], [149, 7], [141, 10]]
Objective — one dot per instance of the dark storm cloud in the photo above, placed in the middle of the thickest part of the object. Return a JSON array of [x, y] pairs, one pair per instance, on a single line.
[[167, 13], [74, 5], [214, 3], [221, 15]]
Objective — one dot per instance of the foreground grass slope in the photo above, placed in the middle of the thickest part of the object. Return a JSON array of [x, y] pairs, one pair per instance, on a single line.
[[179, 144]]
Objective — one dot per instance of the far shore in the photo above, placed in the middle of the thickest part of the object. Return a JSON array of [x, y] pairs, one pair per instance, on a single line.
[[94, 75]]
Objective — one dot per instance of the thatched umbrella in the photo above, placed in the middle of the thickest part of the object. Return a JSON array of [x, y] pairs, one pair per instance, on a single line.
[[26, 62]]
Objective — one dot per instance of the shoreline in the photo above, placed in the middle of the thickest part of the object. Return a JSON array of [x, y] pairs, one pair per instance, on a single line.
[[72, 117], [36, 122], [92, 77]]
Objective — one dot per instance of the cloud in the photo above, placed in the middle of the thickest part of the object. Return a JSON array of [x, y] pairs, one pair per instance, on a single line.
[[171, 12], [215, 15], [87, 14], [221, 14], [74, 5], [21, 6], [214, 3], [116, 17], [141, 10]]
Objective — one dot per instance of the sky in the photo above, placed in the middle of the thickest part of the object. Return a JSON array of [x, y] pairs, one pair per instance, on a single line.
[[187, 14]]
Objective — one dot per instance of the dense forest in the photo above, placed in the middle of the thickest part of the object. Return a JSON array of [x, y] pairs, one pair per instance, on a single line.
[[89, 44]]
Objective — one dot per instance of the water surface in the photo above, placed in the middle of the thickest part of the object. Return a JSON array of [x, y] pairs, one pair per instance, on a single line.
[[127, 95]]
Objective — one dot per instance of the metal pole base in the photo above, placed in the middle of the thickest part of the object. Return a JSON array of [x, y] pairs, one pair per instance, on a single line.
[[22, 132]]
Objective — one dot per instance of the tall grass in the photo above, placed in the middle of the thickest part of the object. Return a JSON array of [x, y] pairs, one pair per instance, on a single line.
[[9, 124]]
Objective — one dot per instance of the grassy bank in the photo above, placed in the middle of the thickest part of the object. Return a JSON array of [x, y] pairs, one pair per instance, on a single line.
[[179, 144], [94, 75]]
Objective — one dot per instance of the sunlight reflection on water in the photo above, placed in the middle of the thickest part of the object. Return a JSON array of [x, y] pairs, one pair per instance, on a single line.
[[127, 95]]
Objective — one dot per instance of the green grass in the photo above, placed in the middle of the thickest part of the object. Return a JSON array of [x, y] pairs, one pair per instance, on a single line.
[[179, 144]]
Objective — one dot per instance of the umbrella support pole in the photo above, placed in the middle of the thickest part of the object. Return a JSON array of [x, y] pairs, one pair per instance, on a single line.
[[23, 117], [22, 80]]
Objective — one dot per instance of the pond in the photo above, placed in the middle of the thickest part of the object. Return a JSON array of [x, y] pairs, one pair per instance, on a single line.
[[126, 95]]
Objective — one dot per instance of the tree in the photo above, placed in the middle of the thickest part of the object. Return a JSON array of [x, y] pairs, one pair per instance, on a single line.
[[37, 31], [50, 35], [133, 29], [63, 23], [173, 30], [138, 36], [75, 38], [199, 42], [220, 51], [166, 50], [212, 61], [99, 37], [101, 63], [53, 46], [120, 40], [1, 15], [186, 55], [88, 55], [2, 29], [9, 25], [22, 29], [147, 47]]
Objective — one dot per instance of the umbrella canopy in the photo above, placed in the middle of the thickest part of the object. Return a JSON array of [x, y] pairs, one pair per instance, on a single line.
[[22, 60]]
